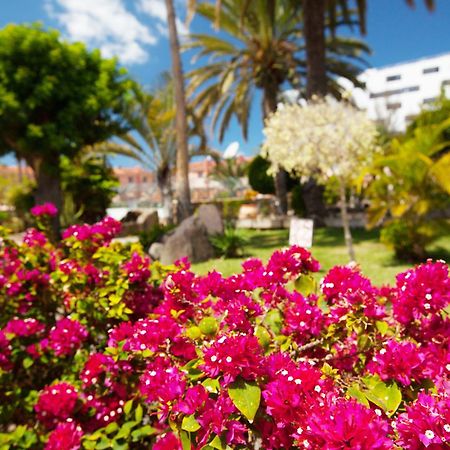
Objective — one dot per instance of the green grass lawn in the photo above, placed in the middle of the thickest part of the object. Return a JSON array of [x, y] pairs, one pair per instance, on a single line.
[[376, 260]]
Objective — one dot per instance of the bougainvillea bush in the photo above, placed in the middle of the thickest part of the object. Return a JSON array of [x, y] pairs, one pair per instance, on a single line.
[[101, 348]]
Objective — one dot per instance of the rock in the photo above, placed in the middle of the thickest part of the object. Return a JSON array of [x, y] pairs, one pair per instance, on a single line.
[[147, 220], [190, 239], [155, 250], [131, 216], [210, 217]]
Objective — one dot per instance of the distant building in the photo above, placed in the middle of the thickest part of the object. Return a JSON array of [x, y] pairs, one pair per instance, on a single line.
[[395, 94], [138, 185]]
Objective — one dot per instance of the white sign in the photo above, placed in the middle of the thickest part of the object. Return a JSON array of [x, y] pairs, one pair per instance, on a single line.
[[301, 232]]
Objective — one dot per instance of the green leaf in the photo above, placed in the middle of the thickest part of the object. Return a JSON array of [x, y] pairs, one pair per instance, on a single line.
[[128, 406], [185, 441], [246, 397], [274, 320], [212, 385], [218, 443], [382, 327], [138, 413], [306, 285], [125, 430], [355, 392], [263, 336], [144, 431], [27, 363], [111, 427], [386, 396], [190, 424]]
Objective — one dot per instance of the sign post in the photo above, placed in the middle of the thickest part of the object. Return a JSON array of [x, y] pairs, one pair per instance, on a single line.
[[301, 232]]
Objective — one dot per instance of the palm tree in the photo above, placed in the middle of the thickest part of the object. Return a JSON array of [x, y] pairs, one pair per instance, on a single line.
[[182, 175], [316, 15], [152, 140], [261, 47]]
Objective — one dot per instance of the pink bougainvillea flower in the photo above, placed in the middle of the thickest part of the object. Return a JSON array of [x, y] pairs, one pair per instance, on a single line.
[[66, 337], [162, 382], [56, 403], [24, 327], [167, 441], [5, 352], [399, 361], [66, 436], [46, 209], [421, 291], [344, 424], [426, 423], [34, 238], [233, 356], [137, 268]]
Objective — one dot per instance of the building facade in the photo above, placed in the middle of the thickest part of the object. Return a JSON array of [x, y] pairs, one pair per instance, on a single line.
[[395, 94]]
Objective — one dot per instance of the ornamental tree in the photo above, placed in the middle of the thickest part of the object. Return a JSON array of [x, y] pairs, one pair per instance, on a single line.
[[55, 98], [323, 139]]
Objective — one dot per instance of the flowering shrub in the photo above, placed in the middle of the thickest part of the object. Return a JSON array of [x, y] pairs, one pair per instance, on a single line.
[[102, 348]]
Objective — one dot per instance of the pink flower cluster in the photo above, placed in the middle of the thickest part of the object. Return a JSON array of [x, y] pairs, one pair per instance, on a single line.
[[65, 337], [99, 233], [46, 209], [421, 292], [260, 359], [56, 404]]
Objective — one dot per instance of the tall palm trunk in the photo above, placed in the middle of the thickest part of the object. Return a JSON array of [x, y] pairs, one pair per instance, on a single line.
[[270, 106], [182, 189], [316, 84], [314, 29]]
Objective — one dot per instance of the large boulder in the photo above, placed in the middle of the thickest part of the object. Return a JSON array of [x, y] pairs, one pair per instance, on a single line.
[[155, 250], [189, 239], [210, 217], [147, 220]]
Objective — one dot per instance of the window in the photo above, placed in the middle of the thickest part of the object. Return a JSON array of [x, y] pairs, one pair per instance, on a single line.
[[446, 83], [429, 100], [430, 70], [394, 92], [393, 106], [144, 179], [393, 77], [130, 179], [410, 118]]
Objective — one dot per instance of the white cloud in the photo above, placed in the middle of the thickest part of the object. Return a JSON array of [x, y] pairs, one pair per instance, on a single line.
[[105, 24], [156, 9]]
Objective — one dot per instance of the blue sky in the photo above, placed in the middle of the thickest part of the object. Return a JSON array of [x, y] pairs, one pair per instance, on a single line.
[[135, 32]]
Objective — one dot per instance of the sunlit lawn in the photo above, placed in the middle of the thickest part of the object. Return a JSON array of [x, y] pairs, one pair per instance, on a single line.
[[376, 261]]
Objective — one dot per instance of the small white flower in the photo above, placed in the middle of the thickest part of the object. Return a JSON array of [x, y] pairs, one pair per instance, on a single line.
[[429, 434]]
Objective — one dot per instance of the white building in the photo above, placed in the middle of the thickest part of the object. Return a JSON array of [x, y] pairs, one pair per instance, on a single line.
[[395, 94]]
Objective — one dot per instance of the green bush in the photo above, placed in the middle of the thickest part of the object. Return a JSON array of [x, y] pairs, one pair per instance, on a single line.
[[147, 238], [409, 239], [230, 244]]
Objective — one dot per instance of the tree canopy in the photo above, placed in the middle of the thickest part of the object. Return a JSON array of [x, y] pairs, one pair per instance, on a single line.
[[55, 97]]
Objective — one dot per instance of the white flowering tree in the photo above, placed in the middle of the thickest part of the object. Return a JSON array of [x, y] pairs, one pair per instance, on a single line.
[[325, 138]]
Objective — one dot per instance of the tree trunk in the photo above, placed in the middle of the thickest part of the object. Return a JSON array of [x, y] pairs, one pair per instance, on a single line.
[[316, 84], [314, 29], [182, 189], [346, 221], [165, 189], [48, 189], [270, 106]]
